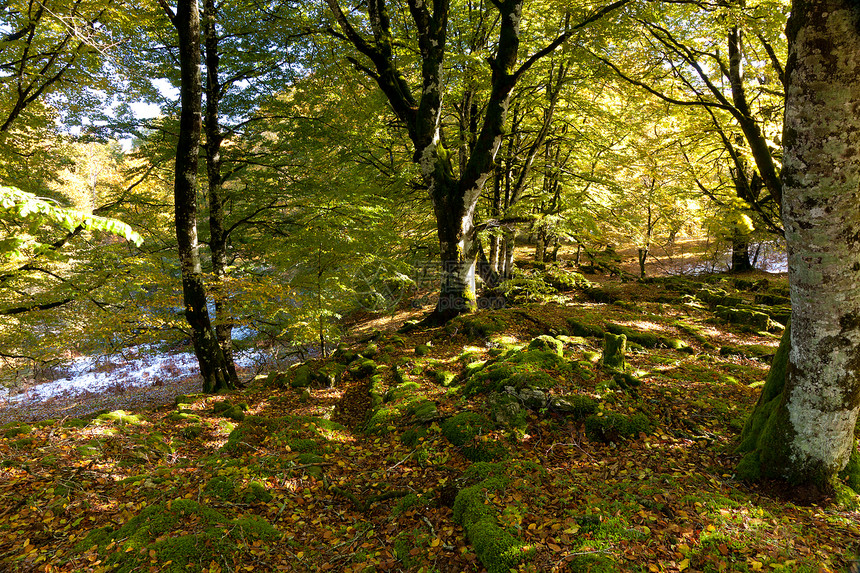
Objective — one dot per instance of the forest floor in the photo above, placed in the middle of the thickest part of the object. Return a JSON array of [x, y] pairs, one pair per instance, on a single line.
[[431, 453]]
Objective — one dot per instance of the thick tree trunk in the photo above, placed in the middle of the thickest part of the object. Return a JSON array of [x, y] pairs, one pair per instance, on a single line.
[[459, 250], [803, 432], [209, 355], [217, 235]]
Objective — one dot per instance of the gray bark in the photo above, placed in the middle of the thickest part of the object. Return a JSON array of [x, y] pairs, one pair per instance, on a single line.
[[809, 431]]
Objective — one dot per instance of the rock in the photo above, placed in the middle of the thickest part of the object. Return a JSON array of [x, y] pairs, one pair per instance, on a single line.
[[613, 350], [547, 343], [424, 411], [505, 409], [533, 398], [301, 377]]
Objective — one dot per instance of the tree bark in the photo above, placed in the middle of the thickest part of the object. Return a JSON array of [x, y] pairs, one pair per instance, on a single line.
[[802, 430], [209, 355], [740, 255], [217, 234]]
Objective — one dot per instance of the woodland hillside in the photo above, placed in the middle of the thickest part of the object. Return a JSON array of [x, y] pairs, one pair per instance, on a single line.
[[400, 285], [500, 441]]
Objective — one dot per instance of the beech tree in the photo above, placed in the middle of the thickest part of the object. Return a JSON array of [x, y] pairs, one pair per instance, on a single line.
[[454, 189], [213, 366], [802, 429]]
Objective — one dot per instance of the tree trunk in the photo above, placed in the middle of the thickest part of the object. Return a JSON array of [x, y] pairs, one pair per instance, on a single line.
[[643, 257], [802, 429], [740, 255], [458, 247], [209, 355], [217, 235]]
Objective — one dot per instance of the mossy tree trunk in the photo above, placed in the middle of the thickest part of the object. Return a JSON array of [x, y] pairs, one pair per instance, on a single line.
[[802, 429]]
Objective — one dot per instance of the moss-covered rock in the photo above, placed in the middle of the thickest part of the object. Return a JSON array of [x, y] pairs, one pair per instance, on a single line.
[[363, 368], [497, 549], [443, 377], [229, 410], [545, 343], [612, 426], [120, 417], [422, 350], [423, 411], [614, 349], [467, 430], [574, 405], [157, 536], [578, 328]]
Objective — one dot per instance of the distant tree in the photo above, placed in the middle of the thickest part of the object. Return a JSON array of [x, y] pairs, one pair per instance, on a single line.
[[802, 429], [454, 186]]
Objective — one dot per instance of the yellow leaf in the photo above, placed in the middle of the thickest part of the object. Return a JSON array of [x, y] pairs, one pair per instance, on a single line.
[[756, 565], [436, 542], [27, 542], [683, 564], [532, 526]]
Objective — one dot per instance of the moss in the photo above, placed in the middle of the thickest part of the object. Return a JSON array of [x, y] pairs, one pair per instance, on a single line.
[[575, 405], [381, 419], [75, 423], [443, 377], [401, 391], [254, 431], [363, 368], [186, 399], [227, 409], [120, 417], [17, 430], [423, 410], [183, 417], [422, 350], [851, 473], [612, 427], [497, 549], [463, 427], [592, 563], [645, 339], [23, 443], [614, 348], [150, 537], [411, 437], [582, 329], [769, 399], [481, 325], [545, 343], [404, 504], [192, 431]]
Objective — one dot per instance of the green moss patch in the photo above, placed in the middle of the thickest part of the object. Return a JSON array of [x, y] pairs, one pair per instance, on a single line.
[[612, 427], [176, 535], [120, 417], [468, 431], [497, 549]]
